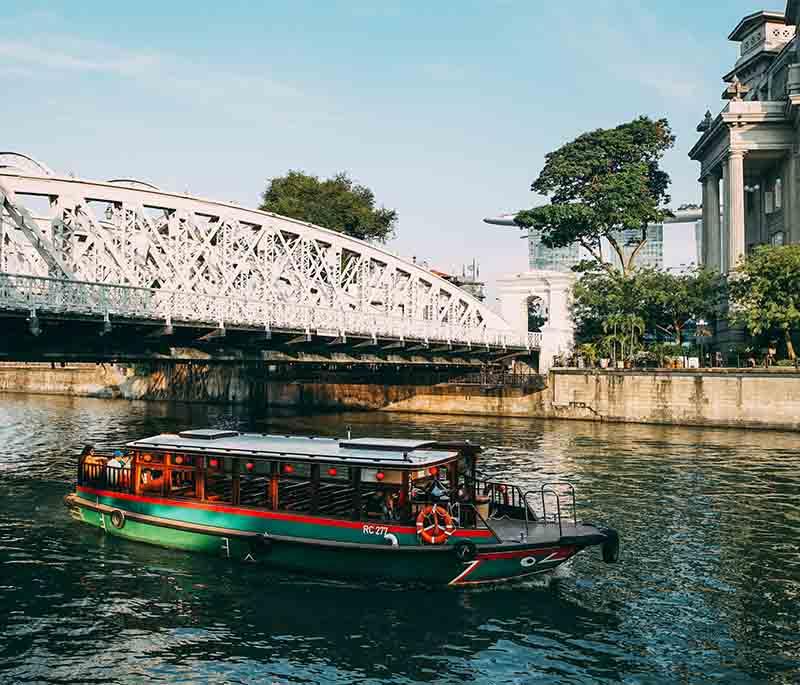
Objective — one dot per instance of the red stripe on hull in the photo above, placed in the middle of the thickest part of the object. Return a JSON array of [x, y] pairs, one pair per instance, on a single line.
[[521, 553], [275, 516]]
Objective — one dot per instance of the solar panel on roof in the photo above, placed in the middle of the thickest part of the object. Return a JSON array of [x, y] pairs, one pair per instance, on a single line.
[[396, 444], [208, 434]]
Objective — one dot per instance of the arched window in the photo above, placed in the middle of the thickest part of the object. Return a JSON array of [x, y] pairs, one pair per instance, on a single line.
[[537, 313]]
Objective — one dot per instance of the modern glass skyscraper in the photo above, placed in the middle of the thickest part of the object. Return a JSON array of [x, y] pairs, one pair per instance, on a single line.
[[652, 252], [543, 258]]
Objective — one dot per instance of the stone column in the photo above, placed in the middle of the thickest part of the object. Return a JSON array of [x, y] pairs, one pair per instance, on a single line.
[[735, 208], [725, 228], [704, 251], [791, 207], [711, 223]]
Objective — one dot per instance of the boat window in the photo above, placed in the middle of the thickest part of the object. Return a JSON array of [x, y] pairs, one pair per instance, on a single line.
[[183, 483], [219, 479], [183, 460], [334, 496], [151, 479], [254, 483], [384, 495], [294, 486]]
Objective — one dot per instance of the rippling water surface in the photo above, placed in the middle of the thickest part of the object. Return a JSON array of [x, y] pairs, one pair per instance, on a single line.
[[708, 589]]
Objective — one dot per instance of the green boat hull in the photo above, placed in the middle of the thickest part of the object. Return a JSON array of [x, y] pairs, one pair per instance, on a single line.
[[321, 547]]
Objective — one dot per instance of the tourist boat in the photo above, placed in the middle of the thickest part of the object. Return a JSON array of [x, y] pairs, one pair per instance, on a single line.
[[405, 510]]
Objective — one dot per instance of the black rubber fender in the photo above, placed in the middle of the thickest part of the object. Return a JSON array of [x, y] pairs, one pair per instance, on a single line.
[[263, 543], [117, 518], [610, 547], [465, 550]]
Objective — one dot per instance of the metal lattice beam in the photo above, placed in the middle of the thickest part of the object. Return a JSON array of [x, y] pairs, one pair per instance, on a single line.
[[128, 249]]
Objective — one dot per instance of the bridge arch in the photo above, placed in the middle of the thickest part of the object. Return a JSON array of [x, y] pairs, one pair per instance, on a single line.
[[196, 259], [19, 162]]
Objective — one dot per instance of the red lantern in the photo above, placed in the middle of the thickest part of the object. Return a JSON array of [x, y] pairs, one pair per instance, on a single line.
[[434, 470], [147, 457], [249, 465], [213, 463], [332, 471], [380, 475], [179, 460], [288, 468]]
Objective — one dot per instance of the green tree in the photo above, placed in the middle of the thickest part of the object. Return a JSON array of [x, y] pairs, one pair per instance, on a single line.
[[599, 297], [765, 292], [336, 203], [672, 300], [660, 302], [601, 183]]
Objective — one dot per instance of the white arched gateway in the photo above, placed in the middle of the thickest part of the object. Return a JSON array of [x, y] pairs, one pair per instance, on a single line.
[[126, 248]]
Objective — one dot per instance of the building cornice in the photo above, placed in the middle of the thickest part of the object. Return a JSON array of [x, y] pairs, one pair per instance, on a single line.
[[769, 54], [740, 113], [755, 19]]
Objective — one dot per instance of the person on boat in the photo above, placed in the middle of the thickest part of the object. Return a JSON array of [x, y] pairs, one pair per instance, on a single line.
[[389, 506], [119, 472], [431, 491]]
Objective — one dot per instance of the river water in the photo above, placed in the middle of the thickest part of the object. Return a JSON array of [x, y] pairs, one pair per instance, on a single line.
[[708, 588]]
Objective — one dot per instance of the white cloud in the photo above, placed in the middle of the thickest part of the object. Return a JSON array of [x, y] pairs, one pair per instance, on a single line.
[[51, 54], [631, 45]]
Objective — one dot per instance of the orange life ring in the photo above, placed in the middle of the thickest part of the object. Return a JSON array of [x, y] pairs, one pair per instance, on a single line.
[[434, 524]]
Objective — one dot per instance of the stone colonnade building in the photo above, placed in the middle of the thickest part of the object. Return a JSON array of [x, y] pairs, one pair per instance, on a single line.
[[750, 153]]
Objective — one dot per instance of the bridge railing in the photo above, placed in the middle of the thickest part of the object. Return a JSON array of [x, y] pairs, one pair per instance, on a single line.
[[51, 295]]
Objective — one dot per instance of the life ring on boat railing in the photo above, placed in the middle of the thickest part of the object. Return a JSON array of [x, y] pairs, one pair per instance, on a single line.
[[465, 550], [117, 518], [434, 524]]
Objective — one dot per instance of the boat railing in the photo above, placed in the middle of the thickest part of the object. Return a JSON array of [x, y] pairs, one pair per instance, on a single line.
[[103, 476], [506, 499], [456, 511], [554, 491]]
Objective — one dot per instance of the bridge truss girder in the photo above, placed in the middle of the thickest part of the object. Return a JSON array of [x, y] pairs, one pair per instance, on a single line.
[[136, 251]]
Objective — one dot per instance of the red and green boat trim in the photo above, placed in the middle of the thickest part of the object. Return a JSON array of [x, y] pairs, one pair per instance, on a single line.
[[402, 510]]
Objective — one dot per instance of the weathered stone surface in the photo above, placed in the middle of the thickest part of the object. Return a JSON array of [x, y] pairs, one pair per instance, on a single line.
[[756, 398]]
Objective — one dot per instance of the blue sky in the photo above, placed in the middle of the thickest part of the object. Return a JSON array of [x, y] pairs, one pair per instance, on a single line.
[[446, 109]]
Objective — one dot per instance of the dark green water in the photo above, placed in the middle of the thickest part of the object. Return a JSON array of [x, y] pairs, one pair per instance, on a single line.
[[708, 589]]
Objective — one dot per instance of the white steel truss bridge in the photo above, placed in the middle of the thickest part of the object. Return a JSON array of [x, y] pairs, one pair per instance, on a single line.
[[125, 250]]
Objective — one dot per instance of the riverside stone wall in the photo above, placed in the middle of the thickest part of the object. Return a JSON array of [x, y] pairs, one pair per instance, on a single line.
[[187, 382], [755, 398], [752, 398]]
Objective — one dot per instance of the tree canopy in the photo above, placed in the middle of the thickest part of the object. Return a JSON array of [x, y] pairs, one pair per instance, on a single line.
[[672, 300], [765, 292], [604, 182], [336, 203], [612, 311]]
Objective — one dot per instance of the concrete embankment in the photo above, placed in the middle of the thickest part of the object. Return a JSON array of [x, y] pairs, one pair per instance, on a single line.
[[755, 398]]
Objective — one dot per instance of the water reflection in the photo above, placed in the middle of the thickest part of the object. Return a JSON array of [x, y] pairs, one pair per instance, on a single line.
[[707, 591]]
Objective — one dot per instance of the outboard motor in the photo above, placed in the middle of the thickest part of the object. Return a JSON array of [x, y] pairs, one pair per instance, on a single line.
[[611, 546]]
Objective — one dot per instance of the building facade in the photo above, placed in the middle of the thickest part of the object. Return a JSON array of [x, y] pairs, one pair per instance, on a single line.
[[749, 154]]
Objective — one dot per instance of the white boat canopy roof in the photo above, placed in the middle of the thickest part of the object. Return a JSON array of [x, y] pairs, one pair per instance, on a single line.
[[365, 451]]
